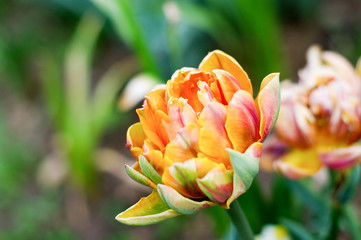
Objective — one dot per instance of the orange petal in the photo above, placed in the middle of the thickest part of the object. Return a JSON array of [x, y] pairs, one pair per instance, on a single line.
[[220, 60], [175, 85], [183, 176], [213, 139], [156, 159], [268, 103], [180, 114], [185, 144], [228, 84], [242, 122], [135, 139]]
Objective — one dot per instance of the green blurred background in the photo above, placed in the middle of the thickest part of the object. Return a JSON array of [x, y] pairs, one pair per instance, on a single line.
[[73, 71]]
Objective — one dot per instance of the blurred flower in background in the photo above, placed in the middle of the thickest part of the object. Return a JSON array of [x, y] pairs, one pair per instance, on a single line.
[[274, 232], [191, 136], [320, 118]]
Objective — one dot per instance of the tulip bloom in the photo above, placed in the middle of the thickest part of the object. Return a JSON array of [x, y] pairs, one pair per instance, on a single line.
[[199, 139], [320, 118]]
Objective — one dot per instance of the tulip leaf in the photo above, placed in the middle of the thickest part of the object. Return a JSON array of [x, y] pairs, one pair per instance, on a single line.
[[137, 176], [179, 203], [148, 170], [148, 210]]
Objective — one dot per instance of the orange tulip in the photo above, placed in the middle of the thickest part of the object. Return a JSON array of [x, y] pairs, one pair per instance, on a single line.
[[320, 118], [199, 139]]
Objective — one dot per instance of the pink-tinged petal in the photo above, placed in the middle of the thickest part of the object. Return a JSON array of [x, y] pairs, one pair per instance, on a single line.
[[179, 203], [296, 125], [148, 210], [299, 163], [227, 83], [242, 123], [273, 149], [213, 139], [341, 158], [220, 60], [268, 104], [180, 114], [204, 93], [341, 65], [135, 139], [183, 176], [185, 144], [217, 185]]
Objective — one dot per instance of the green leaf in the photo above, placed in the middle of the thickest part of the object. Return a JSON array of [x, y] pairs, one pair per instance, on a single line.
[[148, 170], [350, 184], [138, 177], [148, 210], [297, 231], [179, 203]]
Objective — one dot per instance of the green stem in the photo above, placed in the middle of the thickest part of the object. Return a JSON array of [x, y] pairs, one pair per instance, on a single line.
[[334, 230], [240, 221]]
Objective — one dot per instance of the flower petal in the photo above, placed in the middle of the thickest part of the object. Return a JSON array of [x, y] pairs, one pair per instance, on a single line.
[[180, 114], [156, 159], [148, 210], [184, 146], [179, 203], [220, 60], [213, 139], [246, 167], [228, 84], [268, 103], [217, 185], [183, 176], [135, 139], [242, 123], [341, 158], [299, 163]]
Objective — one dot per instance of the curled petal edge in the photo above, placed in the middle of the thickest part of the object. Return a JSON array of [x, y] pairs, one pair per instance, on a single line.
[[181, 204], [147, 210], [341, 158]]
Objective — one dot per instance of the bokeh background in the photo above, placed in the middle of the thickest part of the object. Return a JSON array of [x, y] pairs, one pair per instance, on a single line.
[[73, 71]]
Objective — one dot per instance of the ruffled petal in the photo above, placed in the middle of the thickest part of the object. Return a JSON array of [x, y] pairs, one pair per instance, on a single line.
[[228, 84], [184, 146], [213, 139], [180, 114], [135, 139], [217, 185], [183, 176], [220, 60], [268, 103], [341, 158], [242, 122]]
